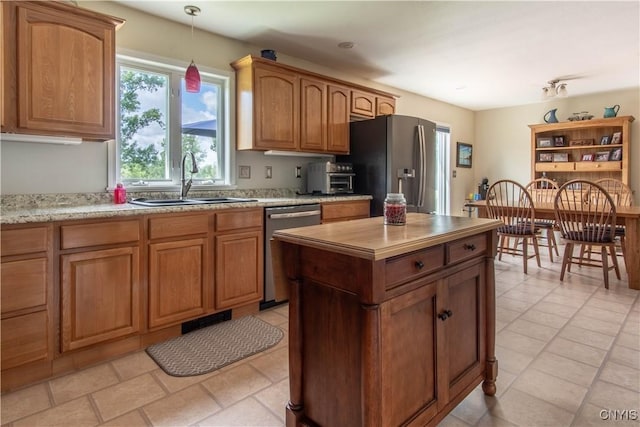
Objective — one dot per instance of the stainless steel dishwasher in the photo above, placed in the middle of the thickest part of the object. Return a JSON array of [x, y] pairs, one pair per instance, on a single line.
[[278, 218]]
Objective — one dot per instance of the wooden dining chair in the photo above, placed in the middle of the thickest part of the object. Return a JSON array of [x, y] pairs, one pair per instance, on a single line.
[[622, 195], [586, 220], [543, 190], [510, 203]]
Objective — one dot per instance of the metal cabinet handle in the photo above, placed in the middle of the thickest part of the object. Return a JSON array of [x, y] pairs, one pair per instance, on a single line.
[[419, 265], [443, 316], [470, 247]]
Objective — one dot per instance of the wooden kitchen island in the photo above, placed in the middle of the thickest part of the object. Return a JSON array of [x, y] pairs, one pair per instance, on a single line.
[[388, 325]]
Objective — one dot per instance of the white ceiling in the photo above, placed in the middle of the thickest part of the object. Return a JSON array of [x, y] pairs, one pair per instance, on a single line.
[[474, 54]]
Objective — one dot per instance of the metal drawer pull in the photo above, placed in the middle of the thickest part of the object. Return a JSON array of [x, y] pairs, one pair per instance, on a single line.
[[419, 265], [470, 247], [445, 315]]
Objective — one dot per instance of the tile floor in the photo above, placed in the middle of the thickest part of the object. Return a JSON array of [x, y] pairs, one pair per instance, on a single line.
[[566, 352]]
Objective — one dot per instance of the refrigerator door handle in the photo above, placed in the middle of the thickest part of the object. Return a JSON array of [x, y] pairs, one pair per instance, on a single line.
[[421, 165]]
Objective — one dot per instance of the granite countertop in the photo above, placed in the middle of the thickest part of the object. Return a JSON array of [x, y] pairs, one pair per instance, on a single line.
[[370, 239], [22, 213]]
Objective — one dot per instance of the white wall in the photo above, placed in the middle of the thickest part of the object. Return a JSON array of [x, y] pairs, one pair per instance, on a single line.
[[29, 168], [503, 137]]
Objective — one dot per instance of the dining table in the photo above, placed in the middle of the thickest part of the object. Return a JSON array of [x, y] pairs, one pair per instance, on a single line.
[[629, 216]]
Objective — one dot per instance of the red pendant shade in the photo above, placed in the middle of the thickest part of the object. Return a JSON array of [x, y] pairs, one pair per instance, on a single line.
[[192, 78]]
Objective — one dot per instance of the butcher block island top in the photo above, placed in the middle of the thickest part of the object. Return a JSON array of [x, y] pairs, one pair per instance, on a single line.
[[388, 325]]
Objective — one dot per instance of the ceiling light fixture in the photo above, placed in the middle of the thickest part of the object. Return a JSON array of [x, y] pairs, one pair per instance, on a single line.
[[346, 45], [192, 75], [554, 89]]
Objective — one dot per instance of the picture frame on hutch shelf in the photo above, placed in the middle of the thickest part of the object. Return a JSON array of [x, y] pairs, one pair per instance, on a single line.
[[587, 157], [559, 141], [602, 156], [560, 157], [544, 141], [464, 155], [605, 140], [545, 157], [616, 138], [616, 154]]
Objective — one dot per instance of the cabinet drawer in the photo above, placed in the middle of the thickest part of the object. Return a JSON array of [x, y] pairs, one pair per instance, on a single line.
[[466, 248], [345, 210], [103, 233], [24, 284], [406, 267], [24, 339], [24, 241], [555, 167], [238, 219], [174, 226], [598, 166]]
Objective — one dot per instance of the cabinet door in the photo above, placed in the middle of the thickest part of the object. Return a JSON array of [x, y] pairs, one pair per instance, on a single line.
[[313, 115], [66, 64], [410, 363], [276, 109], [178, 281], [24, 339], [462, 343], [338, 120], [385, 106], [100, 296], [363, 104], [239, 269]]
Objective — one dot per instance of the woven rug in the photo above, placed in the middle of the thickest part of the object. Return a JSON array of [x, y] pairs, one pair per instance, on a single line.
[[213, 347]]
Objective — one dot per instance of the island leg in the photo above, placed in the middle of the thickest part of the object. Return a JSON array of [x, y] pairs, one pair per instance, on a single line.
[[491, 369]]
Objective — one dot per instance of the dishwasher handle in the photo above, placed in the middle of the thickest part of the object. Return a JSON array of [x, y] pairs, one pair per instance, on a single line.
[[294, 214]]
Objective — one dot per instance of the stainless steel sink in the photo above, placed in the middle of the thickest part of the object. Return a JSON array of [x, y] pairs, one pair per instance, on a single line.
[[193, 201]]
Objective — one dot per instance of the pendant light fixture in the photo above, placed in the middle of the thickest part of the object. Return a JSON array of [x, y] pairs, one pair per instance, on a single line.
[[192, 75], [554, 88]]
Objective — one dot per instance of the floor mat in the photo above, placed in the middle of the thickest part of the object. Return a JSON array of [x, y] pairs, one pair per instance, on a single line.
[[213, 347]]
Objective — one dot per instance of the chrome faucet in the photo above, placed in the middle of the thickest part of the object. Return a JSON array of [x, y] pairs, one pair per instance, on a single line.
[[186, 185]]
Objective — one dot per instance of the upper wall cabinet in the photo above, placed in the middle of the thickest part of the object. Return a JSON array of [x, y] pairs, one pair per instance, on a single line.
[[58, 70], [284, 108]]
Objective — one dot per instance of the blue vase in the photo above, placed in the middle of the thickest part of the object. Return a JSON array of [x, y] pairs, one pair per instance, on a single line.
[[550, 116]]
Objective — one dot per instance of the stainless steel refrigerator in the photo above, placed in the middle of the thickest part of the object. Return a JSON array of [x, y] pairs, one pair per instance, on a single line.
[[394, 154]]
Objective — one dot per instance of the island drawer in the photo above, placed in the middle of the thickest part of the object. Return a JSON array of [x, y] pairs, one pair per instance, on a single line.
[[177, 226], [410, 266], [24, 284], [466, 248], [99, 233], [24, 339], [24, 241]]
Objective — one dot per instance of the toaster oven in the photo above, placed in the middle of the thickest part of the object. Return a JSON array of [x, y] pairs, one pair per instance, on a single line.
[[330, 178]]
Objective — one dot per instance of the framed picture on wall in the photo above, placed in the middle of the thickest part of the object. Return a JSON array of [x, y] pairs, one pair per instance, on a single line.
[[463, 155]]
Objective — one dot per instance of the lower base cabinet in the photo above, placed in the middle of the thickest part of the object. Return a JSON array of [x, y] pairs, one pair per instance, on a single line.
[[100, 296], [25, 339]]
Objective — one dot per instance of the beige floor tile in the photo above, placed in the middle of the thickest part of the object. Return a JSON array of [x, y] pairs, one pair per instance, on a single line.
[[127, 396], [575, 289], [605, 315], [274, 365], [132, 419], [625, 356], [525, 410], [173, 384], [185, 407], [492, 421], [520, 295], [592, 415], [610, 396], [519, 342], [272, 317], [551, 389], [622, 376], [83, 382], [595, 325], [474, 406], [248, 412], [542, 318], [501, 325], [513, 304], [567, 369], [629, 341], [134, 364], [75, 413], [566, 300], [511, 361], [504, 380], [556, 309], [576, 351], [24, 402], [452, 421], [533, 330], [506, 315], [584, 336], [608, 305], [234, 385], [275, 398], [631, 326], [617, 296]]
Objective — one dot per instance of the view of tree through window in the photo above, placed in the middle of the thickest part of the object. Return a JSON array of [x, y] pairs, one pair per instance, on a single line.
[[160, 122]]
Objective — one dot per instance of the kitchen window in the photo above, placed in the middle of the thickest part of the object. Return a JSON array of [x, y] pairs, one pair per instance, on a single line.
[[159, 122]]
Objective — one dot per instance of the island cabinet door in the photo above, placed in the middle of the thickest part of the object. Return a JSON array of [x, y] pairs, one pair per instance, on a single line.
[[409, 357], [462, 320]]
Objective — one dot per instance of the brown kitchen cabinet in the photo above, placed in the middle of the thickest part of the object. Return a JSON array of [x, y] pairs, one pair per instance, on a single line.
[[285, 108], [385, 106], [419, 302], [344, 210], [26, 292], [239, 261], [58, 70], [581, 142], [370, 105], [180, 283], [100, 277]]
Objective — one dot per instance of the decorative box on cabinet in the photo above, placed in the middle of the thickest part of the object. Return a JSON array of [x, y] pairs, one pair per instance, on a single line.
[[576, 134], [58, 70]]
